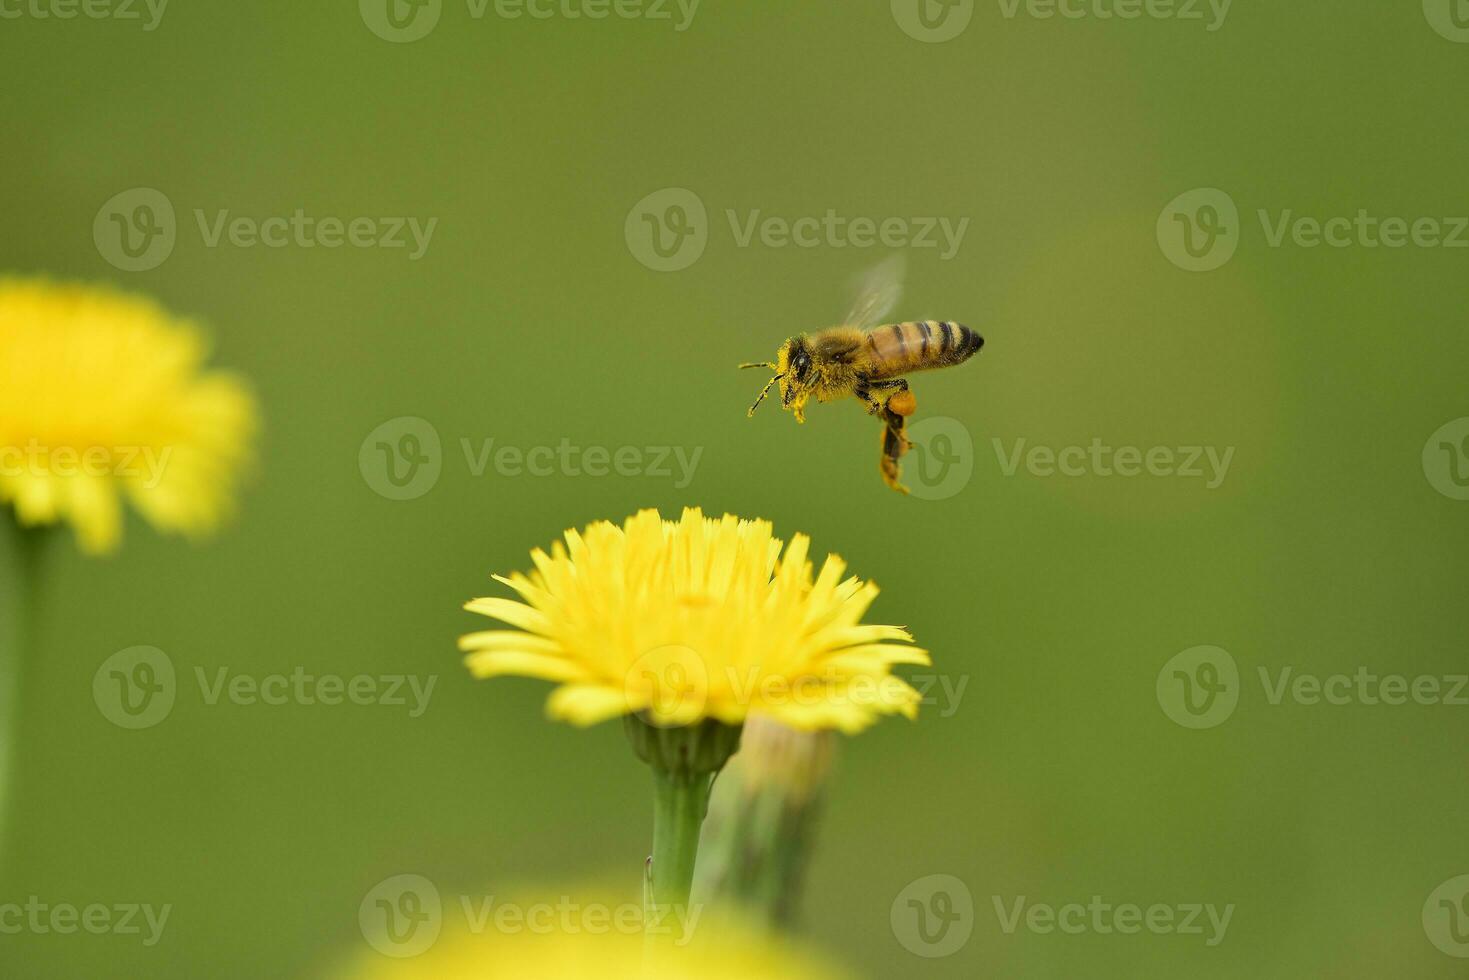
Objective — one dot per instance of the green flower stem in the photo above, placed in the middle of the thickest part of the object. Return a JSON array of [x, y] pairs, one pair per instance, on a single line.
[[19, 561], [680, 801], [684, 761]]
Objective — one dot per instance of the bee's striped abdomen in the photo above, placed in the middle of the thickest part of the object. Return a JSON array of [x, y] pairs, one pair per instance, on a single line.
[[898, 348]]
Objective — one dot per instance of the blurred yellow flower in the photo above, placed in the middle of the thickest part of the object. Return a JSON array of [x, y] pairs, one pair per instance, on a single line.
[[682, 621], [756, 842], [104, 395], [584, 941]]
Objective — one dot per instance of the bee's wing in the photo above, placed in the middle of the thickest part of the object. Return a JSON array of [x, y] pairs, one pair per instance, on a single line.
[[878, 290]]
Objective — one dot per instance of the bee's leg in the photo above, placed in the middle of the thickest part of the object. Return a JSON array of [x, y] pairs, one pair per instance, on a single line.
[[892, 402], [894, 445], [876, 394]]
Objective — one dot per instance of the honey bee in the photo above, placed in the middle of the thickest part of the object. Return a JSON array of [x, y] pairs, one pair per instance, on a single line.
[[868, 362]]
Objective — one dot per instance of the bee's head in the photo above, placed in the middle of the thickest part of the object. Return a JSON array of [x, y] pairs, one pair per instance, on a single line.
[[793, 371]]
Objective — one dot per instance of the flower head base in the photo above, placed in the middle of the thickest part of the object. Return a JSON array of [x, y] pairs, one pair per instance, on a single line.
[[103, 396], [695, 619]]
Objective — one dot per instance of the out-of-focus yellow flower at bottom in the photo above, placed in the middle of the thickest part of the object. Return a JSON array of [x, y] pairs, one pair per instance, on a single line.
[[558, 939], [105, 396]]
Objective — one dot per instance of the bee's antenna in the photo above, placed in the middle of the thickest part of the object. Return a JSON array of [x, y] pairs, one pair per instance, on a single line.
[[764, 364], [763, 391]]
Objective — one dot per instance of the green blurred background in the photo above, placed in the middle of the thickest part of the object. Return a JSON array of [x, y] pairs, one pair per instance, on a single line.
[[530, 320]]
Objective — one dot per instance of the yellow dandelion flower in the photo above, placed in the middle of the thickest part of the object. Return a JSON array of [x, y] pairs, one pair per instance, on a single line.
[[698, 619], [686, 628], [104, 396]]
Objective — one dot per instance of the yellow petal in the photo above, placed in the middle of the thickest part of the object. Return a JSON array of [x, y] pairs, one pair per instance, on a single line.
[[523, 663], [515, 613], [586, 704], [508, 640]]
